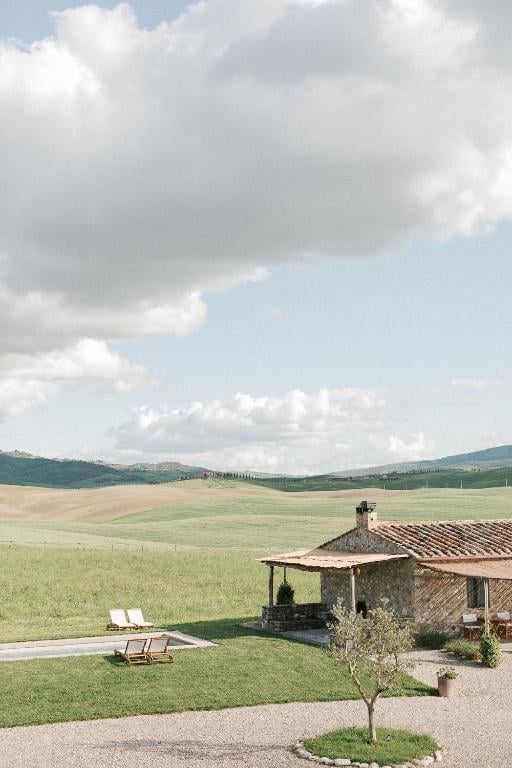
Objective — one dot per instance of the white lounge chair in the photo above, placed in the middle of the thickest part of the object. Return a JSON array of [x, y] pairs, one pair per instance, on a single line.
[[118, 620], [136, 617]]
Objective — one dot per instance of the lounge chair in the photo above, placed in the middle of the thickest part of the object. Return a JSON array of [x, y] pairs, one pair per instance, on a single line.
[[159, 649], [118, 620], [136, 617], [471, 627], [134, 652]]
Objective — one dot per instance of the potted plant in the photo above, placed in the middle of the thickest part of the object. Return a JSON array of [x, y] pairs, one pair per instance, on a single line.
[[446, 681]]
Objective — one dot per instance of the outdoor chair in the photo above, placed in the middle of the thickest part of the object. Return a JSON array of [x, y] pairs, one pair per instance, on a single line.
[[471, 627], [118, 620], [134, 652], [504, 627], [159, 649], [136, 617]]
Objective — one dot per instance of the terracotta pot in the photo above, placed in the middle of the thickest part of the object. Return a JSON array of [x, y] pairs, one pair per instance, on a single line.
[[446, 687]]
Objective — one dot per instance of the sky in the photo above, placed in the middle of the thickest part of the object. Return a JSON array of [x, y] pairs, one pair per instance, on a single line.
[[269, 236]]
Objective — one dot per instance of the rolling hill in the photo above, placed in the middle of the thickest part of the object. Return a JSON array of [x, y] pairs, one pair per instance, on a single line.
[[18, 468], [488, 458], [487, 468]]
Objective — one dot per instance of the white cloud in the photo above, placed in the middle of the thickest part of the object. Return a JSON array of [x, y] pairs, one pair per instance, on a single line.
[[143, 167], [27, 381], [296, 431], [477, 385], [18, 395], [417, 448]]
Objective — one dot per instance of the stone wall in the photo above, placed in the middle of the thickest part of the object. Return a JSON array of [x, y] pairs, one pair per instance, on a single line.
[[392, 581], [285, 618], [363, 540], [441, 598]]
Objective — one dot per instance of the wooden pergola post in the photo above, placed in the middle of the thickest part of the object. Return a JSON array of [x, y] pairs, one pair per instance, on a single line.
[[486, 602], [352, 590], [271, 585]]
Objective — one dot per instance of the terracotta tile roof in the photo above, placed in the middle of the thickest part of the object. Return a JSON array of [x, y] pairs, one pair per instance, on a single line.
[[447, 539]]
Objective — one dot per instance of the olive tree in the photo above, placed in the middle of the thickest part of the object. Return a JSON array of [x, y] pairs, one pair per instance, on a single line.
[[371, 651]]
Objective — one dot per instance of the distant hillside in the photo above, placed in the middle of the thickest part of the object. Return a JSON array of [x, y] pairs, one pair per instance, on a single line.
[[17, 468], [447, 477], [163, 466], [489, 458]]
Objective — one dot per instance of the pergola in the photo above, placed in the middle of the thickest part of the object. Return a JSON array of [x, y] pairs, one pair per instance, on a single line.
[[318, 560], [494, 567], [497, 567]]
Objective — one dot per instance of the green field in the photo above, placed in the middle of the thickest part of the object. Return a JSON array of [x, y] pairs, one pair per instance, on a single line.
[[49, 592], [270, 521], [394, 481], [189, 565], [189, 561]]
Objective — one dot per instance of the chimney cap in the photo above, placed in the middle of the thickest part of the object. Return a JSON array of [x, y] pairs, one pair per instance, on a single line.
[[367, 505], [366, 514]]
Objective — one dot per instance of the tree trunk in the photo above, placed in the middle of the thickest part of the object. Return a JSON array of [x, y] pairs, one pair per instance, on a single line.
[[371, 724]]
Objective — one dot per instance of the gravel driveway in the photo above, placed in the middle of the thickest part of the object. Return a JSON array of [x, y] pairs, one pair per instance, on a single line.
[[476, 727]]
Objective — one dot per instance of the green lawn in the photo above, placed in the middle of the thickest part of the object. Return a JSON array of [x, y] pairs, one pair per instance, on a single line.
[[392, 747], [245, 669]]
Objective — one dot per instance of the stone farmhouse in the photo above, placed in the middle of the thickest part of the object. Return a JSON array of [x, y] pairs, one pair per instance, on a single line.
[[429, 572]]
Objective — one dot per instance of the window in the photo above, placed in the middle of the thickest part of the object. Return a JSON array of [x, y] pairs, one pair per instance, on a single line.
[[476, 593]]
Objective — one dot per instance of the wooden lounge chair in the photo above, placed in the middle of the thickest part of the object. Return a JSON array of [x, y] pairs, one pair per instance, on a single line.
[[118, 620], [136, 617], [471, 627], [134, 652], [159, 649]]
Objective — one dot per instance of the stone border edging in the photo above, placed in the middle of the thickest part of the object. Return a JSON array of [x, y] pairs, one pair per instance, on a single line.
[[424, 762]]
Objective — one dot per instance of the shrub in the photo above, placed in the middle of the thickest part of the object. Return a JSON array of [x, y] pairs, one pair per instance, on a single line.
[[285, 594], [433, 638], [448, 673], [464, 649], [490, 651]]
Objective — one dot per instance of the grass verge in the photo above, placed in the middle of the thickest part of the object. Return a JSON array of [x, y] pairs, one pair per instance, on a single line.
[[392, 747], [463, 649], [245, 669]]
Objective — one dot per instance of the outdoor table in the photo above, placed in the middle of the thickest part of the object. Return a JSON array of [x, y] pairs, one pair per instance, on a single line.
[[497, 626]]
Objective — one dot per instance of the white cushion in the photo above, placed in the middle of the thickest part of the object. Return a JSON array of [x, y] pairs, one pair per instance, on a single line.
[[469, 618]]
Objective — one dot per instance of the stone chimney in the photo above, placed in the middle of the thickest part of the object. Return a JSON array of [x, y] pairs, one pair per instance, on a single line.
[[366, 515]]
